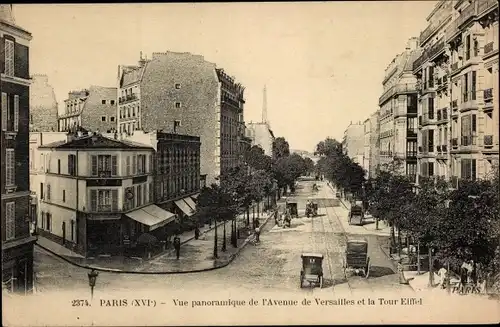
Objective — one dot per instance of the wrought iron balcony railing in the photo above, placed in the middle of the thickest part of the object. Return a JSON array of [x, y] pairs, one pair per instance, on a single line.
[[488, 94], [488, 140], [128, 97], [485, 5]]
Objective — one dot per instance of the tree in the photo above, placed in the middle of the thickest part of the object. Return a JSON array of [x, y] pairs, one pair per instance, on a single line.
[[257, 159], [281, 148], [216, 202], [328, 147], [308, 165]]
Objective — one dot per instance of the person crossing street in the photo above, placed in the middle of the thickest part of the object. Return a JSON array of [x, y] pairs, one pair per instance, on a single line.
[[177, 246]]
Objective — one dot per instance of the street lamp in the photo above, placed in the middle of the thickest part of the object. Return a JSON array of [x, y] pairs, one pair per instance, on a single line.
[[92, 279]]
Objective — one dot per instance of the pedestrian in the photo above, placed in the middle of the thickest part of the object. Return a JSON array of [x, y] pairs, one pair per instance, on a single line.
[[177, 246], [463, 276], [442, 276], [257, 234]]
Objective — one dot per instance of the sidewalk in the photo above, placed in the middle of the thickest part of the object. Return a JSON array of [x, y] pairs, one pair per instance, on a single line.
[[196, 255]]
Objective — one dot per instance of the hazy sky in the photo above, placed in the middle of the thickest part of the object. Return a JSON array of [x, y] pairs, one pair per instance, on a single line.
[[323, 63]]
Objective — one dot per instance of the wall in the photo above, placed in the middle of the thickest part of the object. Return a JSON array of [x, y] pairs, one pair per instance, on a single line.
[[43, 105], [94, 111], [261, 136], [199, 97]]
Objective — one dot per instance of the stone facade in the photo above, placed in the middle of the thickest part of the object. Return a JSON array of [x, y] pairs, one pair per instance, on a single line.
[[93, 109], [183, 93], [43, 105], [261, 135], [353, 143]]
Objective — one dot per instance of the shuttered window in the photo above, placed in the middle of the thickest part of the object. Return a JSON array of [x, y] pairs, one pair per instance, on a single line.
[[150, 163], [151, 192], [9, 58], [93, 165], [16, 112], [114, 200], [10, 220], [10, 163], [5, 109], [48, 192], [114, 167], [93, 200], [128, 165], [139, 195], [145, 193], [134, 165]]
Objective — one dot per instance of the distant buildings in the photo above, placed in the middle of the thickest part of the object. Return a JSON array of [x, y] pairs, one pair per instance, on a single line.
[[43, 105], [398, 112], [374, 156], [353, 142], [17, 212], [261, 135], [183, 93], [366, 147], [93, 109]]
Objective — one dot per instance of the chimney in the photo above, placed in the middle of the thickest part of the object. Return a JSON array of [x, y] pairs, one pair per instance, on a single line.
[[142, 61]]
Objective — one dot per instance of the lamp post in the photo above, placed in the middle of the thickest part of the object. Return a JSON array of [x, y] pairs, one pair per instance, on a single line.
[[92, 279]]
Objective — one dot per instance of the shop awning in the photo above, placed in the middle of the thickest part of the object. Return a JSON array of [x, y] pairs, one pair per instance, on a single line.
[[190, 203], [184, 207], [195, 196], [152, 216]]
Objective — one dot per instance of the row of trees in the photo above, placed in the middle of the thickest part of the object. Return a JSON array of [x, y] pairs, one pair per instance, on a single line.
[[455, 225], [259, 177]]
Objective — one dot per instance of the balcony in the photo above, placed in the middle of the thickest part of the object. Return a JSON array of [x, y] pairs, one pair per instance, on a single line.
[[488, 94], [127, 98], [466, 14], [485, 5], [452, 30], [469, 101], [468, 140], [488, 140], [226, 99], [411, 133], [397, 89]]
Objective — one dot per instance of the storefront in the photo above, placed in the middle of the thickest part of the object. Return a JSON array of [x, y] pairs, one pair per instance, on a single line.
[[17, 266]]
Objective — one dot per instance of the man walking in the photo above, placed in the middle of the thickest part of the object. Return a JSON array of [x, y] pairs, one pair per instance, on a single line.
[[177, 246]]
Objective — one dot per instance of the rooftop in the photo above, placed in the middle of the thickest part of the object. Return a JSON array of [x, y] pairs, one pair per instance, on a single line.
[[96, 141]]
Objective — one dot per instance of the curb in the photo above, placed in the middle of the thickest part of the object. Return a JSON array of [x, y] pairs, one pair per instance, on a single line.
[[117, 271]]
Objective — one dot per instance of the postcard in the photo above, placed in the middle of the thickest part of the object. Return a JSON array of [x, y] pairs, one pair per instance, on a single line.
[[181, 164]]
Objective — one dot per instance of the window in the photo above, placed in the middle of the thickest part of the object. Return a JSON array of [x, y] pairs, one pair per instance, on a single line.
[[10, 220], [141, 164], [177, 86], [64, 196], [139, 195], [134, 165], [41, 191], [431, 141], [105, 200], [103, 118], [48, 192], [10, 120], [151, 192], [473, 85], [177, 124], [431, 76], [103, 101], [10, 162], [9, 58], [73, 230], [127, 161], [177, 104], [468, 169], [465, 88], [467, 47], [430, 169], [5, 110], [16, 112], [59, 166], [112, 102], [104, 165], [72, 165], [431, 108], [112, 119], [48, 225]]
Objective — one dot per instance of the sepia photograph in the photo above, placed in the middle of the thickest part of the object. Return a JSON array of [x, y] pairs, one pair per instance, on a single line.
[[250, 163]]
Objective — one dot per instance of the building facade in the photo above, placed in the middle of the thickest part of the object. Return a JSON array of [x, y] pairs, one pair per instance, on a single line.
[[366, 148], [398, 112], [98, 195], [261, 135], [458, 79], [176, 170], [183, 93], [93, 109], [374, 145], [353, 143], [16, 210], [43, 105]]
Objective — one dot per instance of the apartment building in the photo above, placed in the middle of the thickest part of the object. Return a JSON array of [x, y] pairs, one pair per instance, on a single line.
[[398, 112], [43, 105], [261, 134], [16, 208], [177, 180], [93, 109], [366, 148], [98, 195], [434, 96], [183, 93], [353, 142], [374, 155], [472, 38]]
